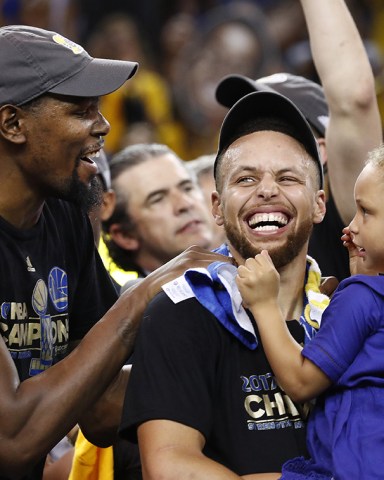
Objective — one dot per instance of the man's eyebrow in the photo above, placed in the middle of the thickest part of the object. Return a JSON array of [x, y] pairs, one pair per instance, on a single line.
[[244, 168], [248, 168], [186, 181], [164, 191], [293, 169]]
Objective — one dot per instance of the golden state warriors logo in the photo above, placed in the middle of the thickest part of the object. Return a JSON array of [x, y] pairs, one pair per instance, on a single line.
[[58, 288], [60, 40]]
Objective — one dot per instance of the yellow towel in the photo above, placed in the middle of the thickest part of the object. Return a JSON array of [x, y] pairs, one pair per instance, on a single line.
[[315, 302], [91, 462]]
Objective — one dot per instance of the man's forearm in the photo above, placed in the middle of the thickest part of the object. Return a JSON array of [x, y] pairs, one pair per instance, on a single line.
[[335, 40], [38, 412]]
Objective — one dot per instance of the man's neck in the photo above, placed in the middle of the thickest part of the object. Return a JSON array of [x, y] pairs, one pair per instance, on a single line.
[[23, 208], [292, 283], [20, 218]]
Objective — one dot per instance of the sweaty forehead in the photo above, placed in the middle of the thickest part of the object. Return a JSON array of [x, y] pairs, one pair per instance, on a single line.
[[264, 150]]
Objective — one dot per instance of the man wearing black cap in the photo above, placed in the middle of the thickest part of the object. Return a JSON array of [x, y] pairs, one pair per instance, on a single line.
[[345, 133], [53, 288], [204, 403]]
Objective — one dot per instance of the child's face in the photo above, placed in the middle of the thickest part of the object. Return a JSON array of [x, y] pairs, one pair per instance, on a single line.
[[367, 227]]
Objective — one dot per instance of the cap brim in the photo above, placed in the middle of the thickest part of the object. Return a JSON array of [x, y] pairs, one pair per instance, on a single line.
[[233, 87], [266, 104], [100, 77]]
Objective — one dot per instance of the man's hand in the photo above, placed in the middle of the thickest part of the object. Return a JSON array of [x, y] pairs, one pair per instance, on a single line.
[[192, 257], [328, 285]]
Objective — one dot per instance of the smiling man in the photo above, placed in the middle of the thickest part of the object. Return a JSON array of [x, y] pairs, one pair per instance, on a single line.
[[205, 403], [56, 297]]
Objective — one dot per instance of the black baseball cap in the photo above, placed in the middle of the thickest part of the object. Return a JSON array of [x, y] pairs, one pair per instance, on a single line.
[[259, 105], [307, 95], [34, 61]]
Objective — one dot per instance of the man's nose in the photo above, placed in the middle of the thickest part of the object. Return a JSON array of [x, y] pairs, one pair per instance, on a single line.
[[182, 201], [101, 126], [267, 187]]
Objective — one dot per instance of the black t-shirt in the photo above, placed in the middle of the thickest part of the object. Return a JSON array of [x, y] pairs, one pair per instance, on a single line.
[[189, 369], [326, 247], [53, 288]]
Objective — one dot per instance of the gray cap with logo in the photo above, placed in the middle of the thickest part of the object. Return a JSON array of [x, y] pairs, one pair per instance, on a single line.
[[34, 61], [307, 95]]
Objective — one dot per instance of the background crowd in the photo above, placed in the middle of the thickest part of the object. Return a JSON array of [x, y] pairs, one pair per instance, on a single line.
[[165, 123], [184, 48]]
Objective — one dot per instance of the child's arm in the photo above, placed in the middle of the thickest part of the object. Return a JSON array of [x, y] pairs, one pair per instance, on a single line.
[[258, 282]]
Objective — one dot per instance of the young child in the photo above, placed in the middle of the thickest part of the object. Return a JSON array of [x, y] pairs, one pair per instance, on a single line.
[[344, 363]]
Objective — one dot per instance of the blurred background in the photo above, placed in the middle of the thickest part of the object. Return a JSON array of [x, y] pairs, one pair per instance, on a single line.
[[184, 48]]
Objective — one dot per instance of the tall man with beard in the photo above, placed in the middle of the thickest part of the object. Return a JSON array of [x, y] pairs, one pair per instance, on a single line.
[[204, 403], [56, 297]]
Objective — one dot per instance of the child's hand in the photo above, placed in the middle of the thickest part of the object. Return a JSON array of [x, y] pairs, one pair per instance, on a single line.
[[356, 264], [258, 281], [352, 251]]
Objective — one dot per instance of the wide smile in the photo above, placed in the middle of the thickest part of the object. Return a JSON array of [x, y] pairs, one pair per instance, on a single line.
[[267, 223]]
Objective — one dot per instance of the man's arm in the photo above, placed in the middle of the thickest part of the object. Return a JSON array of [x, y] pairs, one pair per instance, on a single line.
[[38, 412], [346, 75], [172, 451]]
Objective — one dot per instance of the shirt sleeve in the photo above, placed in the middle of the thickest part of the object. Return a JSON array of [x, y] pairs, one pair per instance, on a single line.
[[352, 316]]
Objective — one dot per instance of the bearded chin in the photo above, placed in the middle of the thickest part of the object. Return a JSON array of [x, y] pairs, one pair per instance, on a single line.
[[281, 255], [84, 196]]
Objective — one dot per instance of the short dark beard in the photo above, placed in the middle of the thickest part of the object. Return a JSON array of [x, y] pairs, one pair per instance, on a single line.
[[85, 196], [95, 195], [281, 256]]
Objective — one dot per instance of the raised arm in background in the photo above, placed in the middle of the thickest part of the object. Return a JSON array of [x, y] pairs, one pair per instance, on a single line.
[[345, 72]]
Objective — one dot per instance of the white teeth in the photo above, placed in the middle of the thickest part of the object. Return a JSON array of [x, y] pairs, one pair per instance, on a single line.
[[276, 218], [94, 154], [266, 228]]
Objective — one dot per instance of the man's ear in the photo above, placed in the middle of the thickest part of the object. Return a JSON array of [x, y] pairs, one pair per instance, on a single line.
[[108, 205], [320, 207], [12, 124], [124, 240], [216, 208]]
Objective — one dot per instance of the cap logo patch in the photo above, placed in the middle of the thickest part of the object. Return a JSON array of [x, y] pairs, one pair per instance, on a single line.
[[275, 78], [60, 40], [324, 120]]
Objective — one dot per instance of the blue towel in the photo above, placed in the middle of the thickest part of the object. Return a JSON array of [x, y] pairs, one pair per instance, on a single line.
[[215, 288]]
